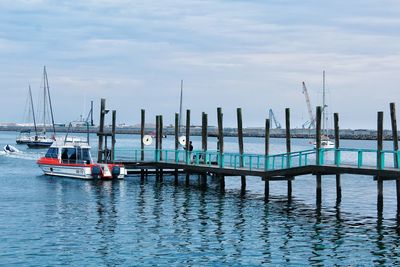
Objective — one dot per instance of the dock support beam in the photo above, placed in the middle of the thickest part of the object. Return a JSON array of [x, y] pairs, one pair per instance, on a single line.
[[220, 145], [241, 149], [267, 128], [317, 147], [395, 148], [288, 150], [379, 161], [337, 143]]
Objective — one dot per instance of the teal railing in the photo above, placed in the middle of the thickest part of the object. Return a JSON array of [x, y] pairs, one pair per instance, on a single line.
[[327, 156]]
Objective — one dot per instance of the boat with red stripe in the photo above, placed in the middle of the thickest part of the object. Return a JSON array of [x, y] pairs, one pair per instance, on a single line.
[[72, 158]]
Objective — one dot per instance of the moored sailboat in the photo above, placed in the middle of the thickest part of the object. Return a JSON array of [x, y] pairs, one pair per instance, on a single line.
[[42, 140], [325, 140], [24, 136]]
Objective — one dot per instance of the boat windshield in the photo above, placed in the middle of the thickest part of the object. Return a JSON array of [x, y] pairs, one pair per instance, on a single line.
[[52, 153], [76, 155]]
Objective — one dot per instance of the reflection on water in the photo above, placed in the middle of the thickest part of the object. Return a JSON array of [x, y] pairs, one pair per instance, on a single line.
[[134, 223], [57, 221]]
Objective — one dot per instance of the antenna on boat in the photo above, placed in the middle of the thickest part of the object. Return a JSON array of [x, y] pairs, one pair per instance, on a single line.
[[180, 109]]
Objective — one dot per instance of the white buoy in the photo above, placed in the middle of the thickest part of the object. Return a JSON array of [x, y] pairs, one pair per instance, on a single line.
[[147, 140], [182, 140]]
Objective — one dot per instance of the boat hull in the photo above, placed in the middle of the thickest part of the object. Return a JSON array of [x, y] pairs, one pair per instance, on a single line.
[[67, 171], [21, 142], [80, 171], [35, 144]]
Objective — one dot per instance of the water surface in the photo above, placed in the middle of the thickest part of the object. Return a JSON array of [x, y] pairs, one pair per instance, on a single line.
[[60, 221]]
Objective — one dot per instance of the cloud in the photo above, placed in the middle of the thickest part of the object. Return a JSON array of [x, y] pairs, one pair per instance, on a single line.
[[252, 54]]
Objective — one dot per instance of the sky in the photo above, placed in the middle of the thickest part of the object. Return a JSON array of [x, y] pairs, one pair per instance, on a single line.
[[252, 54]]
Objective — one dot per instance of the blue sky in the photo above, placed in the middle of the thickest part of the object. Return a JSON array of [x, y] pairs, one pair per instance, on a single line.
[[248, 54]]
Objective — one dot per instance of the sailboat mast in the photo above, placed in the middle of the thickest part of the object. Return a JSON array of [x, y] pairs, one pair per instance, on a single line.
[[180, 108], [33, 110], [44, 101], [323, 104], [51, 106]]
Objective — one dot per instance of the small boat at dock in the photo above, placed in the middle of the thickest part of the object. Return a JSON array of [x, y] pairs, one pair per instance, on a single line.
[[72, 158]]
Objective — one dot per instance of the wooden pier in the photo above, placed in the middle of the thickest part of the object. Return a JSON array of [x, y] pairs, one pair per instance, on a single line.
[[380, 164]]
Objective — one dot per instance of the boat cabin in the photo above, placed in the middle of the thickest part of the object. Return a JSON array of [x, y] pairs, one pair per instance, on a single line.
[[70, 154]]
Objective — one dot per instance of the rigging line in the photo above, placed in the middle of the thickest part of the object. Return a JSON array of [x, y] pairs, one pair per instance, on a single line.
[[33, 110]]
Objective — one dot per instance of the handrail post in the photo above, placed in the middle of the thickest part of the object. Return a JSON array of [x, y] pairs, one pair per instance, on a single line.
[[300, 158], [360, 158]]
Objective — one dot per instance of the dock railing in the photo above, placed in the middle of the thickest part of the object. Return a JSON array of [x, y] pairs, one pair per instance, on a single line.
[[349, 157]]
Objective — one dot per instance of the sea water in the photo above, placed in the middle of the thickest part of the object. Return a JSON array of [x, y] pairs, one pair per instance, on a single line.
[[49, 221]]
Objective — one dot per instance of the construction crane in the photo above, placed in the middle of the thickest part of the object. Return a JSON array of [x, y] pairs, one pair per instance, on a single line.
[[272, 118], [311, 123]]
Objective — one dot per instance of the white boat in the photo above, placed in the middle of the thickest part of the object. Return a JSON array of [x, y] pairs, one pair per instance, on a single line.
[[24, 137], [72, 158], [10, 149], [325, 142]]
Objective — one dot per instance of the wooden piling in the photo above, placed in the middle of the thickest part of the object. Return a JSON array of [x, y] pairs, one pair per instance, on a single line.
[[157, 145], [176, 144], [157, 129], [267, 130], [241, 149], [221, 144], [379, 160], [204, 133], [395, 148], [337, 145], [113, 132], [160, 138], [204, 128], [142, 125], [160, 133], [187, 154], [288, 150], [318, 146], [101, 130]]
